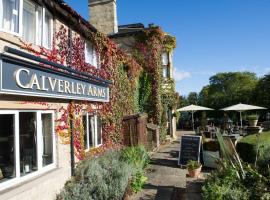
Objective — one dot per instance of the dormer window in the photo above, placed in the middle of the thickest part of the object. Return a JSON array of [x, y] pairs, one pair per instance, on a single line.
[[91, 54]]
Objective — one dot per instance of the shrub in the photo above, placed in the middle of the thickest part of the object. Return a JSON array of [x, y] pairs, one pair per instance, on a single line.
[[138, 181], [137, 156], [226, 184], [105, 177], [247, 147]]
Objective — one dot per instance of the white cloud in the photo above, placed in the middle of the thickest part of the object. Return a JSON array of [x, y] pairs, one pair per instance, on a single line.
[[180, 75]]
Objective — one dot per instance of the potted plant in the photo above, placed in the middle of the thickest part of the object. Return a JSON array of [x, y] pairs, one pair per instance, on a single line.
[[194, 168], [253, 120]]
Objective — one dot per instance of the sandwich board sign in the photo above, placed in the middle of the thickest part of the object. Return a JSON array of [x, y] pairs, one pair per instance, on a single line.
[[190, 149]]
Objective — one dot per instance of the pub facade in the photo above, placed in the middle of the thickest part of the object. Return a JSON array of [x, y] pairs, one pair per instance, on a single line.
[[37, 87]]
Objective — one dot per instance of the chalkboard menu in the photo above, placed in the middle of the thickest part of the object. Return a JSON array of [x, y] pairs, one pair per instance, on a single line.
[[189, 149]]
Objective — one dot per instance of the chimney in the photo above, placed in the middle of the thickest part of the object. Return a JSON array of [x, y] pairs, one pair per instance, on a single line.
[[103, 15]]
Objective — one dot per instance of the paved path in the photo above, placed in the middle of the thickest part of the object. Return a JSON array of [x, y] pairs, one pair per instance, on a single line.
[[166, 180]]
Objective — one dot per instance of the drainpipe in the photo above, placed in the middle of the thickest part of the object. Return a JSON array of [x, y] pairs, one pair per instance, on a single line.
[[72, 158]]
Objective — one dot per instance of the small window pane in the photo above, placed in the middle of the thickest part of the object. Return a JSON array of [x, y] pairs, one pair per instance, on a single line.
[[39, 26], [165, 59], [47, 137], [91, 120], [29, 22], [84, 121], [7, 147], [9, 15], [165, 72], [99, 131], [47, 30], [28, 142]]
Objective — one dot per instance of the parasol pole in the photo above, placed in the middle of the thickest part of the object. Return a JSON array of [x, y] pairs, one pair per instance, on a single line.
[[192, 119], [241, 119]]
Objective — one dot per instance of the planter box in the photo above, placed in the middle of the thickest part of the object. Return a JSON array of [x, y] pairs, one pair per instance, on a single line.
[[210, 158]]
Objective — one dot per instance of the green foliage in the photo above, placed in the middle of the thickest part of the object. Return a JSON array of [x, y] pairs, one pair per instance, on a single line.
[[193, 98], [137, 156], [101, 178], [263, 162], [138, 181], [225, 184], [253, 117], [144, 90], [262, 92], [247, 146], [229, 88], [191, 164]]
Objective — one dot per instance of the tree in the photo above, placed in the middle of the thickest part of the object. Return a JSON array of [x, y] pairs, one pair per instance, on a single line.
[[193, 98], [262, 92], [229, 88]]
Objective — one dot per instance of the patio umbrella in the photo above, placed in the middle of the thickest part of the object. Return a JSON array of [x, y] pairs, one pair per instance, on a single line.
[[242, 107], [193, 108]]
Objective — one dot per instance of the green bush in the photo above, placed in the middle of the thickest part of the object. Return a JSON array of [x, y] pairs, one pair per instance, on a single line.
[[137, 156], [225, 183], [138, 181], [247, 147], [101, 178]]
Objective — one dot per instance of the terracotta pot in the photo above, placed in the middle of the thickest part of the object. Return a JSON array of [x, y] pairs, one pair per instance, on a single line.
[[253, 123], [195, 172]]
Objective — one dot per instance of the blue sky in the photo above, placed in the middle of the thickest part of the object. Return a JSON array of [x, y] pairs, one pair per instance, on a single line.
[[212, 35]]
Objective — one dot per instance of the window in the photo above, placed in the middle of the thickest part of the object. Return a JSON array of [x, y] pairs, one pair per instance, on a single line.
[[37, 24], [27, 145], [91, 55], [92, 131], [165, 65], [9, 15], [36, 21]]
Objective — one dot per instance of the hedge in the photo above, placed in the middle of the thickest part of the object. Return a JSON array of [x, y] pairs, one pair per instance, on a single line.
[[247, 146]]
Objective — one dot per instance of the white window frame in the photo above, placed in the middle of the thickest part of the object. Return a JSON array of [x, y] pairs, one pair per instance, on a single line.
[[20, 14], [41, 170], [95, 136], [20, 21], [95, 63]]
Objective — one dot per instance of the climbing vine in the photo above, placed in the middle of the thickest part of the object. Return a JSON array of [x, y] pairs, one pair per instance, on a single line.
[[114, 65], [153, 97]]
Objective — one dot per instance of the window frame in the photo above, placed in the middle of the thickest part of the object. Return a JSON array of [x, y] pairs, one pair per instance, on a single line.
[[41, 170], [95, 134]]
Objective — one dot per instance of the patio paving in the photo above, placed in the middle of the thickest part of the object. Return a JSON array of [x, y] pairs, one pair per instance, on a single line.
[[166, 180]]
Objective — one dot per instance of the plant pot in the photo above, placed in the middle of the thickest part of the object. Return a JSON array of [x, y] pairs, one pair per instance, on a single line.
[[194, 173], [253, 123]]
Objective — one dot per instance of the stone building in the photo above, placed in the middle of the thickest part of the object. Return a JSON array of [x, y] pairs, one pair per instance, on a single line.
[[103, 15], [35, 92]]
